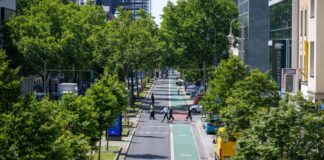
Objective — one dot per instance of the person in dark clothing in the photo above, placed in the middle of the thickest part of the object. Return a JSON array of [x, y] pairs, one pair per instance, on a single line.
[[189, 114], [152, 112], [152, 98], [171, 114]]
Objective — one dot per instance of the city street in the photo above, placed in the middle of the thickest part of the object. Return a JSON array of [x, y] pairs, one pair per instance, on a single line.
[[180, 140]]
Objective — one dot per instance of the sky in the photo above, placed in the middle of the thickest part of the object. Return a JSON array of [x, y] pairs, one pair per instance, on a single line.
[[157, 7]]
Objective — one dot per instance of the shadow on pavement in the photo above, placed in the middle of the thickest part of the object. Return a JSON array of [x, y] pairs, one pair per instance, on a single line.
[[149, 136], [146, 156]]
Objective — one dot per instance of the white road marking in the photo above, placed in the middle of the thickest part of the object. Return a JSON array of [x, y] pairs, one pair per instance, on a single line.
[[194, 138], [171, 143], [185, 155]]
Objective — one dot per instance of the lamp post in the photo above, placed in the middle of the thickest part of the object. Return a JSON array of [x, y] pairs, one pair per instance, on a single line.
[[231, 37]]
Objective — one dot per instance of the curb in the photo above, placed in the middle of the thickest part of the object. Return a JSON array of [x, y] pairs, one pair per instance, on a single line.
[[134, 130], [118, 153], [129, 144]]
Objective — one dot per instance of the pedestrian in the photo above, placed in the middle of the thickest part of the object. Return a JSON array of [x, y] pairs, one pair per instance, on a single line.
[[152, 112], [152, 98], [171, 114], [189, 114], [166, 112]]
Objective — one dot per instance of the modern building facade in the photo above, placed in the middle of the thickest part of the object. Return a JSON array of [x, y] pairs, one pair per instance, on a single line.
[[254, 19], [7, 9], [280, 43], [310, 27], [132, 5]]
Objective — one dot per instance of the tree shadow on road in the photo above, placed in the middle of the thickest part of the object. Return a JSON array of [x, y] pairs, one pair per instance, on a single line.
[[146, 156], [149, 136]]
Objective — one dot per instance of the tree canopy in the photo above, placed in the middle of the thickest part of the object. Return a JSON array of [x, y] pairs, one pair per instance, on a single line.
[[294, 130], [198, 30], [222, 81], [50, 34]]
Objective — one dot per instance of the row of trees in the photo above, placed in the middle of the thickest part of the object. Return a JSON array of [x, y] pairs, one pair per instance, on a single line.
[[68, 129], [265, 126], [196, 32], [56, 34]]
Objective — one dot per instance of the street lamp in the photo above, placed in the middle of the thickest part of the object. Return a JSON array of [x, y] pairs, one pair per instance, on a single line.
[[230, 36]]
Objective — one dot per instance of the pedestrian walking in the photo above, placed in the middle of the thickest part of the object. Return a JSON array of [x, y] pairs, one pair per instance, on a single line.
[[166, 112], [189, 114], [171, 114], [152, 112], [152, 98]]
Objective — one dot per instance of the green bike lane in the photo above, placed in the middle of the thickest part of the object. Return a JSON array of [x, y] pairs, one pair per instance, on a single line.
[[183, 144]]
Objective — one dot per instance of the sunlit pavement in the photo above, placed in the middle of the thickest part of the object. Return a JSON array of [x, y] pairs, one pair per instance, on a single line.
[[177, 140]]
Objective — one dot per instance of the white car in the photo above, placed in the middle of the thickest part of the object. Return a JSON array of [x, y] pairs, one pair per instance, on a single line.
[[196, 108]]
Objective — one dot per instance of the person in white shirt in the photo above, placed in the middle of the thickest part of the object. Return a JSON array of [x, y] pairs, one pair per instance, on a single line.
[[166, 113]]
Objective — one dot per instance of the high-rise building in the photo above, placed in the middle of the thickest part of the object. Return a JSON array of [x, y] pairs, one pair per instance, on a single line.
[[280, 42], [309, 23], [132, 5], [7, 9], [254, 19]]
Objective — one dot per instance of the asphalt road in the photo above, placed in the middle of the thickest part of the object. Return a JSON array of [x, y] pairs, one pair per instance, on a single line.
[[180, 140]]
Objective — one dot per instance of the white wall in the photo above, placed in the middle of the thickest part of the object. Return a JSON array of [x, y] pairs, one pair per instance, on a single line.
[[10, 4], [319, 47]]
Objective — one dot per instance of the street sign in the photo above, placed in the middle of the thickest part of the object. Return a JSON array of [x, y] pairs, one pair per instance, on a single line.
[[116, 129], [289, 81]]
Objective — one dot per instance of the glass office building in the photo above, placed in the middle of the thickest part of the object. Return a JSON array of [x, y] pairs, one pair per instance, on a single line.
[[280, 36], [254, 19], [131, 5]]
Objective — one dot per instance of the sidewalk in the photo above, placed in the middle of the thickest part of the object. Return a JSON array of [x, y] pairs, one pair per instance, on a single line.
[[126, 140]]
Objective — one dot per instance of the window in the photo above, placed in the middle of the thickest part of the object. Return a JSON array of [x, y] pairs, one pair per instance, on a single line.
[[311, 59], [305, 20], [312, 9], [1, 41], [301, 22]]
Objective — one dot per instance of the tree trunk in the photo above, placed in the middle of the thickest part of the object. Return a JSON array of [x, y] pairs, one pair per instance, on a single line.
[[107, 138], [99, 154], [137, 84], [132, 89]]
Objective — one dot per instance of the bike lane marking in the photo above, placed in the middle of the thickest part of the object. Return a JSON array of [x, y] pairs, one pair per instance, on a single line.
[[184, 145], [176, 101]]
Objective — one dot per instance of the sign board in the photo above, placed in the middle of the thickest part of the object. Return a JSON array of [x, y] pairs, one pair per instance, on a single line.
[[289, 81], [116, 129]]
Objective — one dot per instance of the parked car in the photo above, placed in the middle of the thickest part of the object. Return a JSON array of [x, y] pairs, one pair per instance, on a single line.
[[191, 89], [40, 95], [196, 108], [197, 99], [67, 88], [212, 125]]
